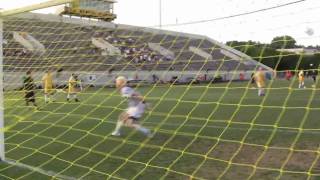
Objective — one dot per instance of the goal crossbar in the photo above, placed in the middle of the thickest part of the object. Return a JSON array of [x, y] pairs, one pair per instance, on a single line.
[[33, 7]]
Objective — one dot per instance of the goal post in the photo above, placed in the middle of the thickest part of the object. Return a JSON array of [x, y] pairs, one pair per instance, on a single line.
[[3, 14], [2, 154]]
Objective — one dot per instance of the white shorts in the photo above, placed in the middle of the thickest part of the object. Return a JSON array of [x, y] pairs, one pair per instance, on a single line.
[[136, 111]]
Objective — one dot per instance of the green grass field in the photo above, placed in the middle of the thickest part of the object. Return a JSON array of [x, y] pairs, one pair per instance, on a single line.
[[201, 132]]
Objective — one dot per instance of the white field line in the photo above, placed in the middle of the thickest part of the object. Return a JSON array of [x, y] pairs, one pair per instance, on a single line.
[[315, 131], [39, 170]]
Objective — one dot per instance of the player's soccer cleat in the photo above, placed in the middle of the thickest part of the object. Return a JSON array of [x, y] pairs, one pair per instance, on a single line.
[[150, 135], [115, 133]]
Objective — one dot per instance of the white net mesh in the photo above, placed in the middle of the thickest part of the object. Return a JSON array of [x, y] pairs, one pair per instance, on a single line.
[[206, 116]]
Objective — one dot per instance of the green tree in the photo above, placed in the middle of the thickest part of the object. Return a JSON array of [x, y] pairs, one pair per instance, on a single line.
[[283, 42]]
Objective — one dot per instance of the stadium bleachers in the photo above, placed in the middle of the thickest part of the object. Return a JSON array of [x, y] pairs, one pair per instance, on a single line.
[[69, 46]]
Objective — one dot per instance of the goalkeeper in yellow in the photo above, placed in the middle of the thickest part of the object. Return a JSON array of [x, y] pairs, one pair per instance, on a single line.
[[136, 106], [74, 87], [260, 80], [48, 86], [301, 79]]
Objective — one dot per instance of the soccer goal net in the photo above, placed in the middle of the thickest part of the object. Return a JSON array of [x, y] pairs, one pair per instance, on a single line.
[[241, 110]]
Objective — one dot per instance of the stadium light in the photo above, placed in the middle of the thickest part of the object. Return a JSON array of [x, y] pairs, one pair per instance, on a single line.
[[160, 14]]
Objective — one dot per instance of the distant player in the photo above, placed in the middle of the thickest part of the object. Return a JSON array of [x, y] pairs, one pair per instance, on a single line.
[[29, 87], [252, 79], [260, 80], [74, 87], [134, 112], [301, 79], [288, 75], [47, 81], [314, 74]]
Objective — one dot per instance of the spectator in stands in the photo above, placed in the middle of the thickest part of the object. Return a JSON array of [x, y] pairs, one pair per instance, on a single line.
[[115, 41], [168, 58], [241, 76], [155, 78], [143, 54], [108, 38], [24, 52], [110, 71], [75, 49], [130, 40], [136, 60]]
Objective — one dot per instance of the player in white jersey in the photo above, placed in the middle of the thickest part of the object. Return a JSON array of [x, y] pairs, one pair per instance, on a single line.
[[135, 110]]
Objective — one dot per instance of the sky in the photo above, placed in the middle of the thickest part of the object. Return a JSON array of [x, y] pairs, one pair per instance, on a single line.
[[293, 20]]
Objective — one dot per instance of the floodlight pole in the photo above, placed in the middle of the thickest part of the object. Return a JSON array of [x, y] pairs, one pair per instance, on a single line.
[[2, 154], [160, 14]]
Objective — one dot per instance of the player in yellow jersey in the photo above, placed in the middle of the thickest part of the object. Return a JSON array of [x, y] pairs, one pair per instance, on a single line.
[[301, 79], [48, 86], [260, 80], [74, 87]]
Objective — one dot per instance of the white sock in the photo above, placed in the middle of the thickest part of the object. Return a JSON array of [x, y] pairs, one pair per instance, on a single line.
[[144, 130], [46, 98], [118, 126], [51, 97], [301, 85]]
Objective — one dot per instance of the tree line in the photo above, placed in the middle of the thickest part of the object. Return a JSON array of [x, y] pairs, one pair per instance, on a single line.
[[269, 55]]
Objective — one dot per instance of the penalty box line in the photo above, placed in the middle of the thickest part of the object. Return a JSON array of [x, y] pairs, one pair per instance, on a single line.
[[279, 129], [37, 169]]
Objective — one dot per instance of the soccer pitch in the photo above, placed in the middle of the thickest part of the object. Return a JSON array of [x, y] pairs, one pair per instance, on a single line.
[[201, 132]]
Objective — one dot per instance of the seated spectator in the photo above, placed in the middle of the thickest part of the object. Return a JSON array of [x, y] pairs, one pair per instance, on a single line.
[[138, 54]]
